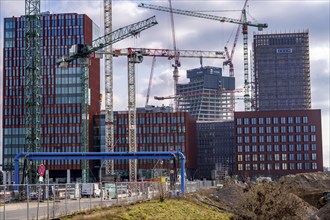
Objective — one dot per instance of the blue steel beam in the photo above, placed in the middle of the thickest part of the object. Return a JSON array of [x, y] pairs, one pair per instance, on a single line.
[[99, 156]]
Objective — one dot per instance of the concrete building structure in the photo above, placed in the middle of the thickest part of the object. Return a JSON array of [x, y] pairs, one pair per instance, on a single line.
[[204, 97], [277, 143], [158, 129], [215, 150], [281, 71], [61, 89]]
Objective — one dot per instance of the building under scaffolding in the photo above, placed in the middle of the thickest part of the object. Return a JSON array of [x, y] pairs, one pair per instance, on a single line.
[[207, 96], [281, 71]]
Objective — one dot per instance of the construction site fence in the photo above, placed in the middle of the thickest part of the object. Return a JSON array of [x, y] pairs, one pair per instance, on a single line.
[[51, 201]]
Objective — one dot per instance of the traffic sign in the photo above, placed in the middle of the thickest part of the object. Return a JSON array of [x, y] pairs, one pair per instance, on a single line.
[[41, 169]]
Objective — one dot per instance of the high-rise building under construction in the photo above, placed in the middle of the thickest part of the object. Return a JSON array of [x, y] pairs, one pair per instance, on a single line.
[[281, 71], [208, 96], [61, 114]]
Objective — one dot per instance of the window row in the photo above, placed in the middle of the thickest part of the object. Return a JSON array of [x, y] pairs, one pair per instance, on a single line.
[[277, 166], [276, 147], [156, 120], [272, 120], [44, 120], [276, 138], [155, 129], [276, 129], [275, 157], [154, 139]]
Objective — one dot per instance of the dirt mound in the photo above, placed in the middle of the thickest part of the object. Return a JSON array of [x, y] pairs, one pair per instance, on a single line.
[[229, 195], [308, 186], [306, 181], [323, 213], [272, 201]]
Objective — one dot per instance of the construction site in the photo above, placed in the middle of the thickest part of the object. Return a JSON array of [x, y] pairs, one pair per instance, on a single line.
[[241, 140]]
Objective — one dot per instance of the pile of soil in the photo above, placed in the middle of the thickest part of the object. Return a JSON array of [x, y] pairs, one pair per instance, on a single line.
[[296, 194], [307, 181], [230, 195], [323, 213]]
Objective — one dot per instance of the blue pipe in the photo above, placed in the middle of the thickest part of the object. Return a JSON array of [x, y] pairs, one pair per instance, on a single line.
[[98, 156]]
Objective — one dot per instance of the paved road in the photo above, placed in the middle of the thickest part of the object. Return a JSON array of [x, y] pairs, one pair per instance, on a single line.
[[24, 210]]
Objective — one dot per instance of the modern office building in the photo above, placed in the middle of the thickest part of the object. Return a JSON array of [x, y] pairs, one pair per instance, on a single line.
[[281, 71], [158, 129], [276, 143], [206, 96], [215, 144], [61, 89]]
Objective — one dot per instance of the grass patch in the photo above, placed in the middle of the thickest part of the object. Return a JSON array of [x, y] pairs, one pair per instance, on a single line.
[[178, 209]]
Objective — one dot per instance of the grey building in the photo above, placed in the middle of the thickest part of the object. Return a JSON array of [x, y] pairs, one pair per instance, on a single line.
[[215, 149], [281, 71], [207, 97]]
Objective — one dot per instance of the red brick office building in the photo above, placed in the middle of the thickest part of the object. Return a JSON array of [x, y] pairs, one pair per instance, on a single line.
[[276, 143]]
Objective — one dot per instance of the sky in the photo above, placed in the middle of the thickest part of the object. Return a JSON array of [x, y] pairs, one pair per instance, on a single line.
[[282, 16]]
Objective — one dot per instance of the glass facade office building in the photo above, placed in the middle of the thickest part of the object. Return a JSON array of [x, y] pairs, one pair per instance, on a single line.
[[206, 96], [61, 88], [215, 149], [281, 71]]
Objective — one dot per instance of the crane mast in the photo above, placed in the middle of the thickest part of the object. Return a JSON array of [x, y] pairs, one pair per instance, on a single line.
[[229, 60], [108, 79], [245, 25], [82, 52], [133, 58], [176, 64], [33, 95], [150, 79]]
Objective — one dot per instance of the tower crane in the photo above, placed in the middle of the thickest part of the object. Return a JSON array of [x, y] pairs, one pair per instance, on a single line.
[[229, 60], [177, 63], [230, 56], [108, 79], [32, 87], [245, 25], [83, 52]]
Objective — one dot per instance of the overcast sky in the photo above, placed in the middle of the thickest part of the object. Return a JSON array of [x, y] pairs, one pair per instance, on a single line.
[[201, 34]]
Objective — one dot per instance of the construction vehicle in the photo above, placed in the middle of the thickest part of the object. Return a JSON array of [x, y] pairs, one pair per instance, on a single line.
[[323, 200]]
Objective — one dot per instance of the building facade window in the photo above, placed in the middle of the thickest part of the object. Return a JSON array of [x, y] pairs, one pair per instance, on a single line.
[[313, 128], [261, 157], [240, 166], [305, 119], [314, 166], [313, 156]]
